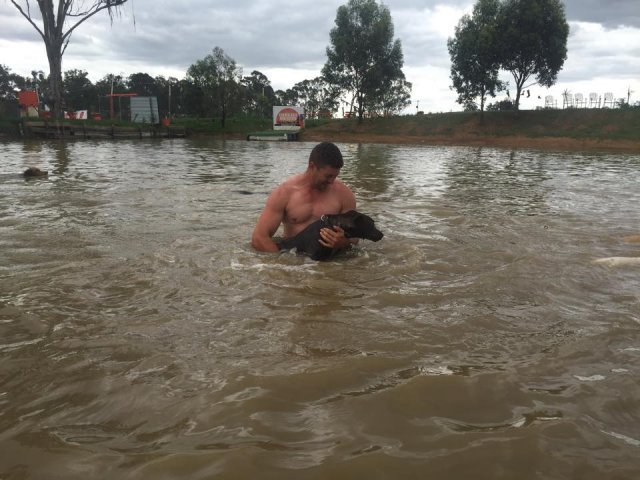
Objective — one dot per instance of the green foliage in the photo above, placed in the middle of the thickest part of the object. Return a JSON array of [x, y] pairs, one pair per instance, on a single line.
[[392, 100], [474, 57], [259, 96], [219, 78], [527, 38], [8, 97], [314, 95], [143, 84], [9, 83], [501, 106], [532, 41], [363, 60], [79, 93]]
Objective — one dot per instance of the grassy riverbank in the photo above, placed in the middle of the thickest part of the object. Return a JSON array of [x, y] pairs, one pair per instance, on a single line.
[[617, 129], [592, 129]]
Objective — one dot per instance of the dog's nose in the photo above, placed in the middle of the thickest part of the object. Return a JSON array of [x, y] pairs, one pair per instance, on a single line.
[[377, 236]]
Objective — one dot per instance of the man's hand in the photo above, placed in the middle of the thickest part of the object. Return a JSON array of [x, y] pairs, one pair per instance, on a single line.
[[334, 238]]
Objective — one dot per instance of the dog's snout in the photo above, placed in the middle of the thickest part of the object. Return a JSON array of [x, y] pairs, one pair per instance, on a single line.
[[377, 236]]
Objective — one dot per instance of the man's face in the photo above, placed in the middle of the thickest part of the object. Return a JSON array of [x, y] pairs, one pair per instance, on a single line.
[[323, 177]]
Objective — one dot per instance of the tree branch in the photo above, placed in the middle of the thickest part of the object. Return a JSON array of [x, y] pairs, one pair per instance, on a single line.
[[27, 15]]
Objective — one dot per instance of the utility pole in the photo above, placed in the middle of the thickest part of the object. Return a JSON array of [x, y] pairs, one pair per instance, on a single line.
[[111, 100]]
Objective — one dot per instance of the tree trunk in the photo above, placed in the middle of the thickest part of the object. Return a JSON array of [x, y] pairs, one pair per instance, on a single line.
[[53, 17], [360, 107], [54, 54]]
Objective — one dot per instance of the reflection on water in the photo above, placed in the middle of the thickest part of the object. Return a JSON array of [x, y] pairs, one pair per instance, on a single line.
[[141, 337]]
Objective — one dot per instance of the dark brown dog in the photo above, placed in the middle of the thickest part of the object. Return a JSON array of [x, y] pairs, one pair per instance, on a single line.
[[354, 224], [34, 172]]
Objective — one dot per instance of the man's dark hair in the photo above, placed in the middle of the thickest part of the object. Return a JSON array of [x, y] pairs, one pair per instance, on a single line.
[[326, 154]]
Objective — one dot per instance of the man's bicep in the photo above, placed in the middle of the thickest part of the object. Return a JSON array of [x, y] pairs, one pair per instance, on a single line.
[[268, 222], [272, 215]]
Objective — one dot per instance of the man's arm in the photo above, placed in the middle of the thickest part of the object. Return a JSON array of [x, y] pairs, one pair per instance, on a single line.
[[269, 221]]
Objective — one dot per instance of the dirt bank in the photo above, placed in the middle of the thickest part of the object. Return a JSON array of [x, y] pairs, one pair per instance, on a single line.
[[512, 141], [592, 130]]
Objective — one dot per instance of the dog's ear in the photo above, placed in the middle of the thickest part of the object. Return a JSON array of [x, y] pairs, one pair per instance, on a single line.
[[363, 220]]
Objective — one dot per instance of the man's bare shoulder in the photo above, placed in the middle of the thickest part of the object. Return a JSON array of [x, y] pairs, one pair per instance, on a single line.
[[342, 186], [343, 190], [294, 181]]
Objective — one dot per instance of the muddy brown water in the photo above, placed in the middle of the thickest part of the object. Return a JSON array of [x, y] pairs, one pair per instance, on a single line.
[[141, 336]]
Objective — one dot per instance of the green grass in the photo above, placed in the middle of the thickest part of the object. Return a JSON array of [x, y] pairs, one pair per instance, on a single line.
[[615, 124], [601, 124], [241, 125]]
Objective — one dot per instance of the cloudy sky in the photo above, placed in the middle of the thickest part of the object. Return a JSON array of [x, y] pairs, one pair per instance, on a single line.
[[287, 42]]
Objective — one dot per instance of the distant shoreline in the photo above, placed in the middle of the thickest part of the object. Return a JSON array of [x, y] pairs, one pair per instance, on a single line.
[[512, 141]]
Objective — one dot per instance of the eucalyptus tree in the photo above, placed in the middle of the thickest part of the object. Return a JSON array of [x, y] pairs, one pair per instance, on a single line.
[[143, 84], [532, 41], [111, 83], [55, 21], [219, 77], [363, 60], [475, 61], [167, 91], [394, 99], [259, 95], [316, 95], [287, 97], [10, 83], [78, 91]]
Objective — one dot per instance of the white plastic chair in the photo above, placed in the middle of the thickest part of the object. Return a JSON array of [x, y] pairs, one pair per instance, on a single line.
[[567, 100], [549, 102], [608, 99]]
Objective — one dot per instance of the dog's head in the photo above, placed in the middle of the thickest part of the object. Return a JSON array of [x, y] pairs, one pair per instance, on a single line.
[[355, 225], [35, 172]]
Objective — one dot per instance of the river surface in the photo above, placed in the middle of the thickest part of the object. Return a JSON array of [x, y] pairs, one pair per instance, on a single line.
[[142, 338]]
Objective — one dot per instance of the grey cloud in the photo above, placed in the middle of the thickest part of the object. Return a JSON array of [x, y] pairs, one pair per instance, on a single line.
[[610, 13]]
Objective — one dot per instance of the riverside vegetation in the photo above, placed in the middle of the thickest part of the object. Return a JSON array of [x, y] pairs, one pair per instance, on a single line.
[[608, 129]]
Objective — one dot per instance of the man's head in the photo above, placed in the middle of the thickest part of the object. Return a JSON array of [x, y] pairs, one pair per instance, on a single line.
[[325, 162], [326, 154]]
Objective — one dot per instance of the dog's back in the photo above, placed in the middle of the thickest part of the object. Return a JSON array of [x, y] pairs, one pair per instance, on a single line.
[[354, 224], [34, 172]]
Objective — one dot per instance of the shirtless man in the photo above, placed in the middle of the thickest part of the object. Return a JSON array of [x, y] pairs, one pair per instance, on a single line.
[[304, 198]]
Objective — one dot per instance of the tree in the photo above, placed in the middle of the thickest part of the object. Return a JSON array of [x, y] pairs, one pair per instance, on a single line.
[[363, 58], [474, 56], [10, 83], [219, 78], [167, 91], [316, 95], [532, 41], [104, 87], [79, 92], [143, 84], [394, 99], [190, 99], [54, 15], [259, 94]]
